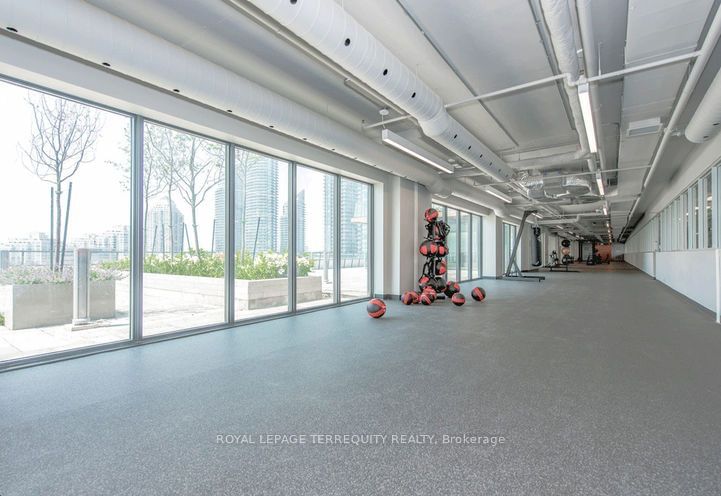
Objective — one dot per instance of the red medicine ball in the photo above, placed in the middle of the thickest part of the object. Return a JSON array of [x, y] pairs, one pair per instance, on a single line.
[[478, 294], [441, 250], [408, 297], [442, 268], [376, 308], [458, 299], [431, 214], [428, 248], [452, 288], [426, 299]]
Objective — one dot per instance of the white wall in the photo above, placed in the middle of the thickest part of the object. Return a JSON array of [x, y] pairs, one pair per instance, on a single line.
[[693, 272], [646, 262]]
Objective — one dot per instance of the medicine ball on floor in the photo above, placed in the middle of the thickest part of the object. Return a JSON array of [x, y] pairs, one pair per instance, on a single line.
[[376, 308], [478, 294]]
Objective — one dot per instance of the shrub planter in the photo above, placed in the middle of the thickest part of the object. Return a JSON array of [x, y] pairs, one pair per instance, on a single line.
[[34, 305], [188, 291]]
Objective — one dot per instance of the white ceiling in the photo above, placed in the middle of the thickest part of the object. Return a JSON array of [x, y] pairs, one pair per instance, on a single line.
[[461, 48]]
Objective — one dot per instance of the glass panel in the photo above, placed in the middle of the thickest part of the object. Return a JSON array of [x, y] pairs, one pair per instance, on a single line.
[[315, 206], [465, 241], [261, 233], [695, 218], [476, 248], [354, 241], [684, 237], [65, 202], [183, 284], [709, 212], [452, 244]]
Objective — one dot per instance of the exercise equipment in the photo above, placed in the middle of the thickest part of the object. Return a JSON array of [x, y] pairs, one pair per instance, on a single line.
[[452, 288], [434, 249], [536, 247], [426, 299], [409, 297], [458, 299], [376, 308], [478, 294], [513, 272]]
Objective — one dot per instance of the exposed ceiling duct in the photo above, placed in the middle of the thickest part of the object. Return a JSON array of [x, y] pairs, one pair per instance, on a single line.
[[553, 222], [551, 161], [706, 121], [328, 28], [92, 34], [560, 26]]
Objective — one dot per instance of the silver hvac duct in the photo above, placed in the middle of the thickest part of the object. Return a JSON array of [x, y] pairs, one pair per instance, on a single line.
[[87, 32], [706, 121], [551, 161], [590, 57], [560, 26], [553, 222], [328, 28]]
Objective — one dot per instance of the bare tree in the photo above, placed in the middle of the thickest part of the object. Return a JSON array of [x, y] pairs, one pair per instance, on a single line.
[[191, 165], [154, 181], [63, 137]]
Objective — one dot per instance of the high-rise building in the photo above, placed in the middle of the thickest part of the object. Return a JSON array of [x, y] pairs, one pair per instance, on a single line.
[[300, 246], [353, 219], [353, 223], [165, 229], [35, 249], [256, 207], [108, 245]]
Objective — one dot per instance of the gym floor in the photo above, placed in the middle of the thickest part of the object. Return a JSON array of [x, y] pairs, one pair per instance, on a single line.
[[602, 382]]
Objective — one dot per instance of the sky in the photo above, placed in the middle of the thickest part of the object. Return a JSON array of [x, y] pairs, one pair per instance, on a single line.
[[100, 199]]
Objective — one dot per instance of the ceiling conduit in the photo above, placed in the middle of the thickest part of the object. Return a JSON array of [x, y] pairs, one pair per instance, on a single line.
[[550, 162], [328, 28], [87, 32], [560, 27], [706, 121]]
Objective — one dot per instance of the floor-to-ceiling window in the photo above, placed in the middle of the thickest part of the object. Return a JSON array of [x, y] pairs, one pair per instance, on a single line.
[[509, 237], [355, 204], [464, 243], [464, 257], [261, 233], [164, 230], [476, 247], [183, 267], [316, 264], [452, 244], [64, 224]]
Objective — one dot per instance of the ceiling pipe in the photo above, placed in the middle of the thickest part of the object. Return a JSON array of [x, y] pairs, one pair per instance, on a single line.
[[707, 47], [551, 161], [92, 34], [706, 121], [553, 222], [325, 26], [590, 57], [560, 26]]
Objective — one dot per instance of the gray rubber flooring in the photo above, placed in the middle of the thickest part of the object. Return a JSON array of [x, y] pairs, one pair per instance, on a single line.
[[600, 383]]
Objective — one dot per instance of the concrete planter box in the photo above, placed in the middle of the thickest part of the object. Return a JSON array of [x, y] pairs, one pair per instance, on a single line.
[[249, 294], [265, 293], [35, 305]]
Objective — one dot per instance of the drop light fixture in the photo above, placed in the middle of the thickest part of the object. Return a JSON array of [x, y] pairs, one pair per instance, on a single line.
[[497, 194], [400, 143], [584, 95], [600, 184]]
